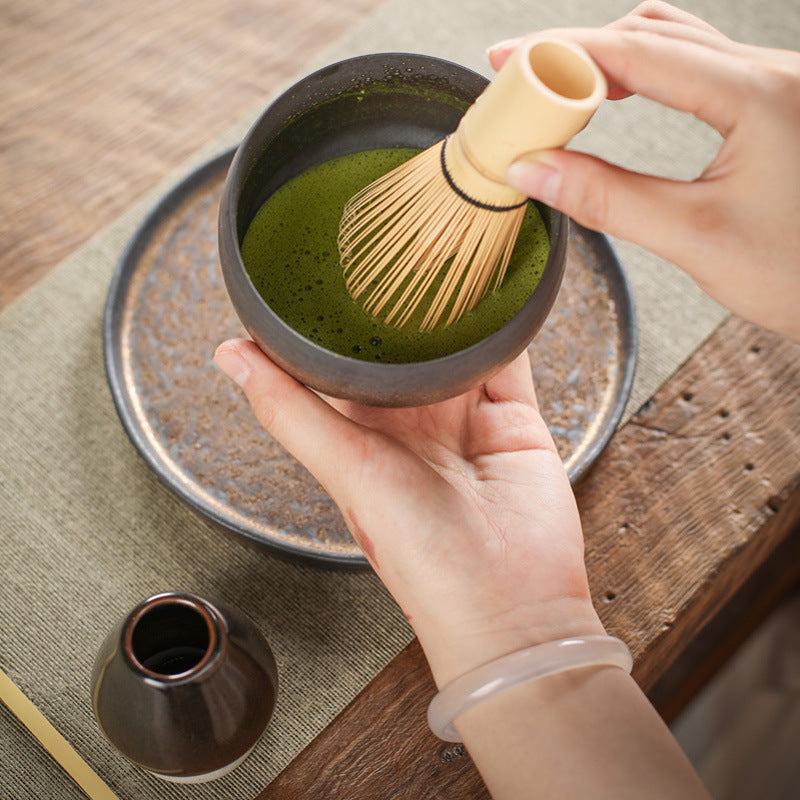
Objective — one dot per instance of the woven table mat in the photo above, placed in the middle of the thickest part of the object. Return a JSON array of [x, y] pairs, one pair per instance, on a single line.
[[87, 529]]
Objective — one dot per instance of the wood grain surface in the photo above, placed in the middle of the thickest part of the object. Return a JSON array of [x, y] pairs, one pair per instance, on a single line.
[[379, 749], [101, 99], [718, 448], [689, 514]]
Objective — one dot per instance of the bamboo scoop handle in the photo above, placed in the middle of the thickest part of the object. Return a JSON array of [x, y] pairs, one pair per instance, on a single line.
[[56, 744], [542, 96]]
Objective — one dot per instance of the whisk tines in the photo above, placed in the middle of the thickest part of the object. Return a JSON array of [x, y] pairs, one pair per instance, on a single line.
[[412, 238], [429, 239]]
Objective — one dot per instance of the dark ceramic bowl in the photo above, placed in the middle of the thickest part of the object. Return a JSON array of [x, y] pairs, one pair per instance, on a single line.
[[364, 103], [184, 687]]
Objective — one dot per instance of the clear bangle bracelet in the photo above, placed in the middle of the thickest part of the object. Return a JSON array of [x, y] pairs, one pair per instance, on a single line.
[[521, 667]]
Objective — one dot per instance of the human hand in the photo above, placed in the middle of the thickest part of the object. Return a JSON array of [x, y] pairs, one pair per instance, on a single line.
[[463, 508], [736, 228]]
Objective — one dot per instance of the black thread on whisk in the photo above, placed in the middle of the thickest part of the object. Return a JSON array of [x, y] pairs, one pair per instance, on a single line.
[[464, 196]]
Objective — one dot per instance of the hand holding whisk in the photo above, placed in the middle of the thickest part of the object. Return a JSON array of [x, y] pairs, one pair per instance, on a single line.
[[446, 215]]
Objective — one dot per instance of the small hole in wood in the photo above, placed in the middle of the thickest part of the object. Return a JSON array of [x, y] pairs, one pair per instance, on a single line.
[[724, 413], [610, 596], [726, 436], [774, 503], [749, 466], [688, 396], [755, 349], [452, 752]]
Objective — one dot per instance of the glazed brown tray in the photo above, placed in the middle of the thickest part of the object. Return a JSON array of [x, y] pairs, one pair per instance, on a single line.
[[168, 309]]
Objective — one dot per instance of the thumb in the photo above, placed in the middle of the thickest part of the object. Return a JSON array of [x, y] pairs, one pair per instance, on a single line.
[[307, 426], [656, 213]]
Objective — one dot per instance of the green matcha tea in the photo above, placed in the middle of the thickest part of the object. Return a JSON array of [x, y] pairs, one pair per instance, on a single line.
[[290, 253]]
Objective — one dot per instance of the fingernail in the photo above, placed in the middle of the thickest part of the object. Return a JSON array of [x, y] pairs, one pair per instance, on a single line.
[[506, 44], [233, 364], [536, 178]]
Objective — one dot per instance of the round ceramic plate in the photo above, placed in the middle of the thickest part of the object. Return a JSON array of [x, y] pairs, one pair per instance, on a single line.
[[168, 309]]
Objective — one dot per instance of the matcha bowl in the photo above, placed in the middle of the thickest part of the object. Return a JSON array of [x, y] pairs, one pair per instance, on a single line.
[[395, 104]]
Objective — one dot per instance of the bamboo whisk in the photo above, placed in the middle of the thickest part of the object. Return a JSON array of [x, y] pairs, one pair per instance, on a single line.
[[446, 214]]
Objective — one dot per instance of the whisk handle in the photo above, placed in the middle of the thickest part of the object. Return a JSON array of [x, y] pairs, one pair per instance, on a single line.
[[542, 96]]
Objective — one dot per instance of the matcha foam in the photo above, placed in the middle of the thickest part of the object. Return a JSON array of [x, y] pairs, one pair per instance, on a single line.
[[291, 256]]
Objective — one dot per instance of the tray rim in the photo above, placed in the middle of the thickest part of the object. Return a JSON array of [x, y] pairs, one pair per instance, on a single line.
[[625, 306], [147, 228]]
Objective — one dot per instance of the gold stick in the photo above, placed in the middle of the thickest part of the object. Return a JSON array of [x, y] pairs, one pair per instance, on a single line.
[[53, 741]]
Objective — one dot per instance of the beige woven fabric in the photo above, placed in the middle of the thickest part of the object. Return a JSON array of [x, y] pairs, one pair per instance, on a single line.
[[86, 530]]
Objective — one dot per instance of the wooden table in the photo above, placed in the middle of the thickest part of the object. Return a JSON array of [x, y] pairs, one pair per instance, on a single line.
[[692, 515]]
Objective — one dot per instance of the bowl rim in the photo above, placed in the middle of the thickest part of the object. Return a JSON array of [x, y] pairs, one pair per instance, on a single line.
[[490, 353]]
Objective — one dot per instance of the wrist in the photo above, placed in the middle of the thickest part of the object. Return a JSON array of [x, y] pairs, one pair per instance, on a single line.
[[531, 664], [454, 649]]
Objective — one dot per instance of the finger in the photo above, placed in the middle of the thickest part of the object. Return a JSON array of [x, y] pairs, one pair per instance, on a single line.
[[659, 11], [608, 198], [677, 31], [354, 464], [643, 17], [514, 383], [499, 52], [511, 428], [680, 73], [310, 429], [498, 55], [651, 16], [703, 35]]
